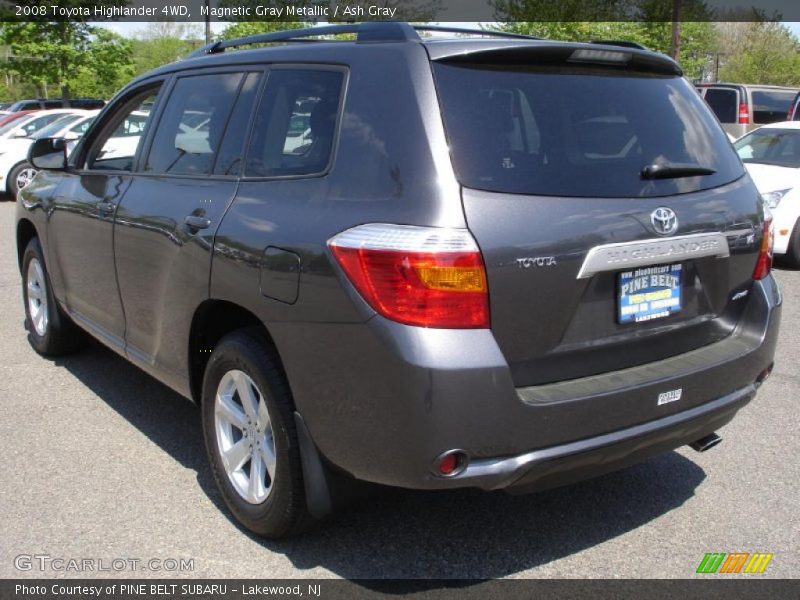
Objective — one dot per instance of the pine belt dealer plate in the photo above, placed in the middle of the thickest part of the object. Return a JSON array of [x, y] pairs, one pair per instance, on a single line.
[[649, 293]]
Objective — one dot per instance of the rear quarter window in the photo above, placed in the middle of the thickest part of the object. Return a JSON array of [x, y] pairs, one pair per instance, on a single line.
[[567, 131], [770, 106]]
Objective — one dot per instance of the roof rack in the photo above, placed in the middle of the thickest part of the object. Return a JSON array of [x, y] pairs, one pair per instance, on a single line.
[[371, 31], [621, 43], [486, 32]]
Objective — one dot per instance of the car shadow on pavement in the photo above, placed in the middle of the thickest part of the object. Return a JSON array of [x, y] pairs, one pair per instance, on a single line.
[[408, 534]]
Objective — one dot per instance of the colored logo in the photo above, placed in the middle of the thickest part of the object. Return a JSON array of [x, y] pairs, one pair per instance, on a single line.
[[735, 562]]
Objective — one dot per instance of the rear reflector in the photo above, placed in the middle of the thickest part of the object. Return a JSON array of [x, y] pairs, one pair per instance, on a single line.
[[425, 276], [764, 261], [450, 463], [744, 114]]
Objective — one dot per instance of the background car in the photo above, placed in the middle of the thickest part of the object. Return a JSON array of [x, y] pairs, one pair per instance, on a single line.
[[794, 109], [772, 156], [44, 104], [741, 107], [15, 170], [8, 117], [31, 123]]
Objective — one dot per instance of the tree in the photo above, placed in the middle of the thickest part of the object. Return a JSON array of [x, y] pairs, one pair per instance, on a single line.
[[163, 42], [763, 52], [47, 52], [646, 22], [246, 28]]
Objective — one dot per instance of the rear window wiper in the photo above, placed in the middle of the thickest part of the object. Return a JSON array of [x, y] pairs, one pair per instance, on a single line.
[[674, 170]]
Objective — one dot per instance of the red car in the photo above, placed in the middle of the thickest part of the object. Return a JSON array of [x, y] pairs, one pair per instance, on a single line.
[[14, 116]]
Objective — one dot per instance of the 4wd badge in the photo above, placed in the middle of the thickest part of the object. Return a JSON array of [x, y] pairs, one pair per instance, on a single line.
[[671, 396]]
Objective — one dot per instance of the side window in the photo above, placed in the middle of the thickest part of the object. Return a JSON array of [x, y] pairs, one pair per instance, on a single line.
[[724, 103], [295, 123], [122, 135], [193, 123], [35, 125], [229, 157]]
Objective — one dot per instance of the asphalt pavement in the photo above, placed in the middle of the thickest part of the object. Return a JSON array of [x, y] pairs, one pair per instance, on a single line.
[[101, 462]]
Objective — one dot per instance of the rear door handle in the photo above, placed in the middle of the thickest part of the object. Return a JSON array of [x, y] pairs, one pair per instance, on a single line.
[[196, 222]]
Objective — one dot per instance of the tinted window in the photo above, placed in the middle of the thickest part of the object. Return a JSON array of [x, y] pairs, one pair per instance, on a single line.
[[24, 105], [122, 134], [295, 124], [724, 103], [229, 157], [770, 106], [38, 123], [55, 127], [53, 104], [771, 146], [194, 120], [565, 131]]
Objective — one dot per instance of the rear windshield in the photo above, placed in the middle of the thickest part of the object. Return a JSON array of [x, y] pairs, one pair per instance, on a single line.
[[771, 106], [566, 131], [769, 146]]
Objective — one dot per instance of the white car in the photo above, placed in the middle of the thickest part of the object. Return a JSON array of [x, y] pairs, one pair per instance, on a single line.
[[15, 171], [32, 122], [772, 156]]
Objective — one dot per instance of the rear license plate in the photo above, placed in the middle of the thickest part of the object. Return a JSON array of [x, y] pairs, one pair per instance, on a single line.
[[649, 293]]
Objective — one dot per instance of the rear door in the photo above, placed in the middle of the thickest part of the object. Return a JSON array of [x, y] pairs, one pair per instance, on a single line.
[[592, 265], [165, 225]]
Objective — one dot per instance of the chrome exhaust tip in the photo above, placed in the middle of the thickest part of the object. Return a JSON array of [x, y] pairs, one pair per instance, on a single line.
[[704, 443]]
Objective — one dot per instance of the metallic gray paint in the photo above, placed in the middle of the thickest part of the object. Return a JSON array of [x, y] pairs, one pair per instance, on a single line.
[[378, 399]]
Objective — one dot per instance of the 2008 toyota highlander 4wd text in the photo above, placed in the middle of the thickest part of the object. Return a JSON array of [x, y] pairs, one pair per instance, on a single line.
[[500, 263]]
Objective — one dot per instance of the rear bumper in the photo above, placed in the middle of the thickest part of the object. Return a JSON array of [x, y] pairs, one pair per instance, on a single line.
[[381, 401], [558, 465]]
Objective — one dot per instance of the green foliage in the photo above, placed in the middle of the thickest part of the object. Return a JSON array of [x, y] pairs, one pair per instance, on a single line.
[[72, 55], [245, 28], [762, 52]]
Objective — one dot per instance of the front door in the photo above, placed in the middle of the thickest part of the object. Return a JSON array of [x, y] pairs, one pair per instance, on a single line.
[[82, 216]]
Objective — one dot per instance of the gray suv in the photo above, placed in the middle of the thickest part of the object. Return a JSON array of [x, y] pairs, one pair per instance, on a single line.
[[413, 261]]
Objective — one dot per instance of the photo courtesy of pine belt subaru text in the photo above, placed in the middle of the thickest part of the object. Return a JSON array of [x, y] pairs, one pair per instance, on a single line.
[[400, 257]]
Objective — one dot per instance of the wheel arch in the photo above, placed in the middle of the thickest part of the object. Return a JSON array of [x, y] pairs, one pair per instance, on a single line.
[[212, 320], [26, 231]]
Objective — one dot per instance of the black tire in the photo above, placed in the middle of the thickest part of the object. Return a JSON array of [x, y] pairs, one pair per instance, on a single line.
[[284, 511], [59, 336], [793, 251], [13, 188]]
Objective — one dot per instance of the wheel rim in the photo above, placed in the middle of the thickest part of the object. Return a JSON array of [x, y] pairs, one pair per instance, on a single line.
[[245, 440], [37, 297], [24, 177]]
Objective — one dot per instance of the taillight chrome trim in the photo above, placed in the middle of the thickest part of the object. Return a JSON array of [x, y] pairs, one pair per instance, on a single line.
[[406, 238]]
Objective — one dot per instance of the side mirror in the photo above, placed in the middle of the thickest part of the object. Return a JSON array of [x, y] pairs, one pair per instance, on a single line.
[[48, 153], [71, 136], [19, 133]]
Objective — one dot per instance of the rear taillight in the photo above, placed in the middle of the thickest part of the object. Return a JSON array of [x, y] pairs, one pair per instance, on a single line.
[[426, 276], [764, 262], [744, 114]]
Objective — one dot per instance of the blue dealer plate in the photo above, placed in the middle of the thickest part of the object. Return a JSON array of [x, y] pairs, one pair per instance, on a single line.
[[649, 293]]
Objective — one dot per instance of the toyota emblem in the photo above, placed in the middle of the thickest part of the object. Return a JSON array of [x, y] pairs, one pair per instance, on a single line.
[[664, 221]]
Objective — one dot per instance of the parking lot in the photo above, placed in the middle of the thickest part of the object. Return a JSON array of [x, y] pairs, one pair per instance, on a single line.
[[102, 462]]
